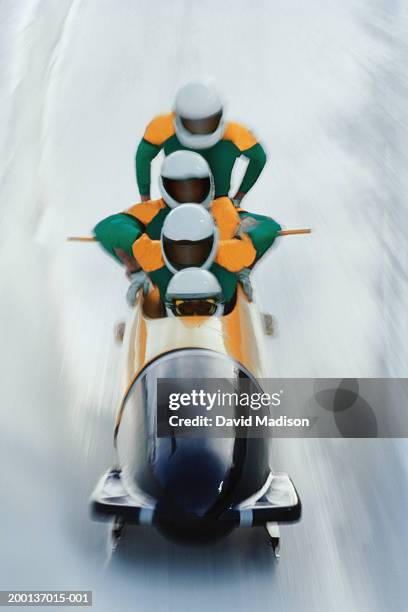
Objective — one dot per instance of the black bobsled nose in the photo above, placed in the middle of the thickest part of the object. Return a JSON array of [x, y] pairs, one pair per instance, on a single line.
[[191, 479]]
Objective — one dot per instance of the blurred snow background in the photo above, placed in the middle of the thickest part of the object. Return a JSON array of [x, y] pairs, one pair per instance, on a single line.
[[324, 86]]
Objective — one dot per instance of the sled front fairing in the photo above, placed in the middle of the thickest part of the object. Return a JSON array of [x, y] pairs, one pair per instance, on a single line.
[[186, 479], [192, 482]]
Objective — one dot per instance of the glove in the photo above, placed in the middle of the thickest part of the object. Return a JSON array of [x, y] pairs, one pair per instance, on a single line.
[[138, 280], [247, 224], [237, 199], [243, 277]]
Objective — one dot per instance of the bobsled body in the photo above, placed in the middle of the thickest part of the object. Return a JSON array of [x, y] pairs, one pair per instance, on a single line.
[[194, 487]]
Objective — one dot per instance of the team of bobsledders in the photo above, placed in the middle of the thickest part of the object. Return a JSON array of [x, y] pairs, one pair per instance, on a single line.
[[195, 243]]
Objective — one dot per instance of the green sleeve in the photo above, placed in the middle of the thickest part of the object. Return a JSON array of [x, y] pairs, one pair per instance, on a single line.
[[227, 280], [161, 279], [118, 232], [262, 234], [257, 160], [146, 152]]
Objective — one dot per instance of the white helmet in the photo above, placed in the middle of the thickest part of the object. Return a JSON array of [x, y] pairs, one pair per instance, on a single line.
[[199, 122], [194, 291], [189, 238], [186, 177]]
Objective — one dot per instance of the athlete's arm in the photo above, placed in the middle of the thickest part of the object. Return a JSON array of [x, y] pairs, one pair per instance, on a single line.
[[261, 229], [117, 234], [157, 132], [257, 160], [145, 154]]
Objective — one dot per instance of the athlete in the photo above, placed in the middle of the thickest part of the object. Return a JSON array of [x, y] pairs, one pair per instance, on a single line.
[[197, 124], [190, 238], [133, 237], [194, 292]]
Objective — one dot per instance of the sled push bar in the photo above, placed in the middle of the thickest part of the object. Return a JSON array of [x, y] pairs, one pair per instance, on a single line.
[[289, 232]]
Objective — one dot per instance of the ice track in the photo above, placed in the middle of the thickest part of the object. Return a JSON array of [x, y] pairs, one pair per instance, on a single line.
[[324, 85]]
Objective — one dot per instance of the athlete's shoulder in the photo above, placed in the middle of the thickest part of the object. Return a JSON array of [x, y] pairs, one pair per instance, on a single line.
[[239, 135], [223, 206], [222, 201], [146, 211], [160, 129], [225, 216]]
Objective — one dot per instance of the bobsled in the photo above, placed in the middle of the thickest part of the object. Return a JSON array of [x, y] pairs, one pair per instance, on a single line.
[[190, 489]]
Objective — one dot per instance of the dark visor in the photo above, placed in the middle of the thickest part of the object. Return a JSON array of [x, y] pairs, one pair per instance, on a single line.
[[208, 125], [194, 308], [193, 190], [187, 254]]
